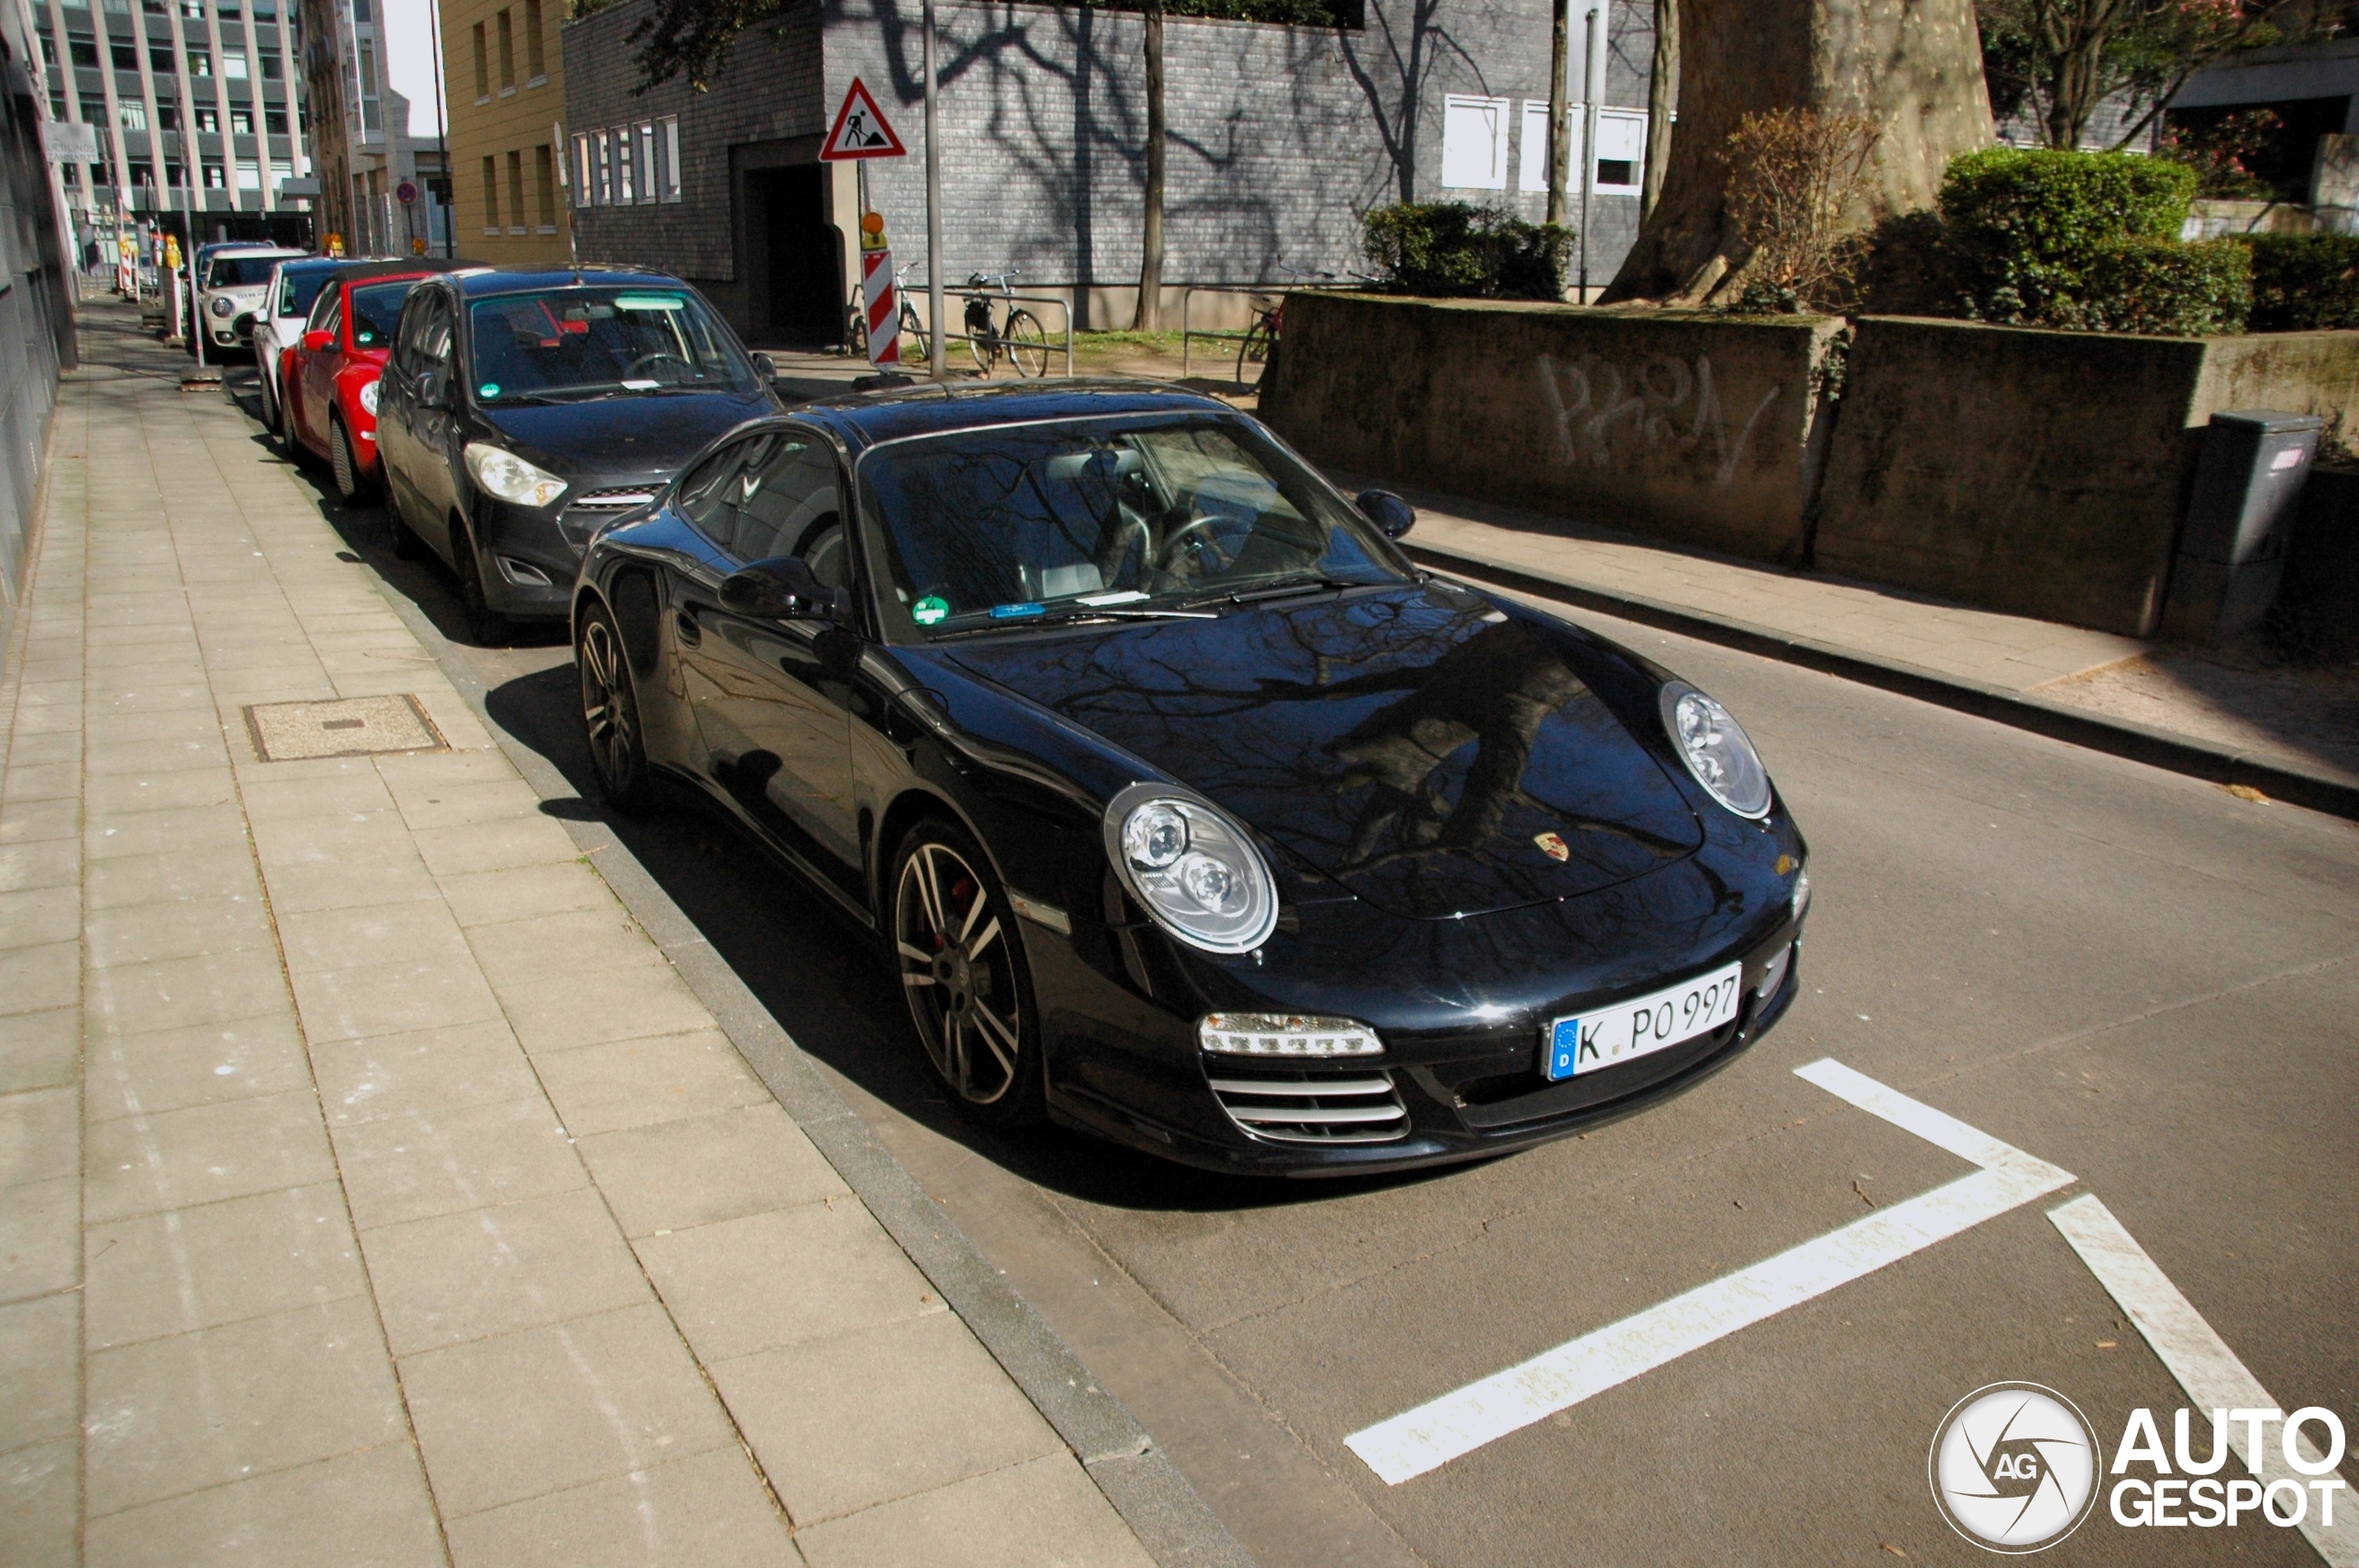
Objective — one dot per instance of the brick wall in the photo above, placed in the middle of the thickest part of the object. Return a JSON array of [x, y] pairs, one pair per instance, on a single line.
[[1280, 137]]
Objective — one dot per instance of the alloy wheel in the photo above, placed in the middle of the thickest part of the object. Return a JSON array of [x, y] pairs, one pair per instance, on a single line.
[[959, 974], [348, 478], [609, 712]]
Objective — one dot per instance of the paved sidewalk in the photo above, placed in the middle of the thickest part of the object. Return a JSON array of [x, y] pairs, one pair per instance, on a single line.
[[376, 1191], [2216, 715]]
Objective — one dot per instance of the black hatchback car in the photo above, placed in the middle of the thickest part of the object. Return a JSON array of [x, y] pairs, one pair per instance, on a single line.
[[521, 410], [1189, 809]]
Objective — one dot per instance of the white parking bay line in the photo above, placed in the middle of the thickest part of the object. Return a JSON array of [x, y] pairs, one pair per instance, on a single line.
[[2210, 1372], [1434, 1434]]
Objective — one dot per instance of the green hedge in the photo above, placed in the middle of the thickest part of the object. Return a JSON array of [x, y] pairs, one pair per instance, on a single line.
[[1450, 248], [2163, 289], [2035, 222], [2302, 282]]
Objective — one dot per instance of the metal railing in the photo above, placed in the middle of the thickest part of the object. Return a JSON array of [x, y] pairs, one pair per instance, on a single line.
[[960, 296], [1301, 283]]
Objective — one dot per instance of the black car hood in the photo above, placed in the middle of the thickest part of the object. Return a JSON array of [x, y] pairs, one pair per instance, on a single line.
[[623, 435], [1432, 753]]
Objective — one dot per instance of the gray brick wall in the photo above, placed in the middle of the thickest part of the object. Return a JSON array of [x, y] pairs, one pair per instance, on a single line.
[[1280, 137]]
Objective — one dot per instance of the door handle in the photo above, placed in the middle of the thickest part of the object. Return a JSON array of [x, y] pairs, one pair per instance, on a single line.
[[687, 628]]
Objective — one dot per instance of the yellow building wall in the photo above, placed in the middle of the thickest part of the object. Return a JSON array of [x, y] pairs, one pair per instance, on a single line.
[[505, 93]]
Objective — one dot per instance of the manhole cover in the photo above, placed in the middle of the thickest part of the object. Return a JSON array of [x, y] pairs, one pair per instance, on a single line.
[[354, 726]]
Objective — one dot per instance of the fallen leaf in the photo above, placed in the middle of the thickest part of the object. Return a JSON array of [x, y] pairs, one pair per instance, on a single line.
[[2108, 1344], [1863, 1196], [1893, 1549], [2246, 792]]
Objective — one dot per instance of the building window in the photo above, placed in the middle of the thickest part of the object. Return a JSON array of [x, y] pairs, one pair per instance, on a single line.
[[536, 63], [606, 168], [200, 63], [544, 187], [582, 169], [249, 176], [213, 180], [242, 122], [671, 127], [208, 122], [273, 120], [490, 195], [626, 191], [1474, 144], [273, 67], [135, 114], [507, 30], [159, 59], [126, 56], [483, 69], [234, 66], [647, 162], [515, 192], [1621, 151]]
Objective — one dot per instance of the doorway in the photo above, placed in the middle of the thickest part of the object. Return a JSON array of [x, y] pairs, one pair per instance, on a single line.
[[795, 287]]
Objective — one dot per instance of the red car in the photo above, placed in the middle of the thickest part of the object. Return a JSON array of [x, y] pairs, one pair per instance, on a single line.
[[330, 381]]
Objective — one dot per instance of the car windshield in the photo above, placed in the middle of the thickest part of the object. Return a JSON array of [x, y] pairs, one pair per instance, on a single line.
[[240, 272], [299, 290], [376, 309], [1011, 525], [569, 342]]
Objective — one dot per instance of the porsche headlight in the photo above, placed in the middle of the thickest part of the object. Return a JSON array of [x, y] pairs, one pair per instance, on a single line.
[[1715, 750], [368, 397], [502, 473], [1193, 867]]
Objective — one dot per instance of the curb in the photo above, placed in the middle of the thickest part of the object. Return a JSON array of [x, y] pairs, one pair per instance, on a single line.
[[2118, 737], [1161, 1506]]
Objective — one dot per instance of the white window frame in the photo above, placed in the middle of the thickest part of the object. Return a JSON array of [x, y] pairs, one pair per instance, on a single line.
[[626, 187], [1533, 163], [1531, 153], [1472, 158], [671, 129], [605, 187], [584, 168], [1622, 117]]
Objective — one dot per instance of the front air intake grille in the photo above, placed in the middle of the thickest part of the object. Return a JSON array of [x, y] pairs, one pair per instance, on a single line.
[[615, 500], [1295, 1107]]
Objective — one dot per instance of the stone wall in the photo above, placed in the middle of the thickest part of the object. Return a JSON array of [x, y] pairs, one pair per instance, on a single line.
[[1686, 426], [2043, 473]]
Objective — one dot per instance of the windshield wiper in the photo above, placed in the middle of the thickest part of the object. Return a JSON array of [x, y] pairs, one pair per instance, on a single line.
[[1076, 617], [1280, 591]]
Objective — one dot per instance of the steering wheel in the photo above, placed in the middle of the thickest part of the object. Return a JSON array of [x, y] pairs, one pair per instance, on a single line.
[[650, 360], [1204, 548]]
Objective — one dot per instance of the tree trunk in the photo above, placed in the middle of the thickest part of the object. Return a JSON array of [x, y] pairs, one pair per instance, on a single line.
[[1150, 306], [1914, 66], [1560, 129], [1662, 103]]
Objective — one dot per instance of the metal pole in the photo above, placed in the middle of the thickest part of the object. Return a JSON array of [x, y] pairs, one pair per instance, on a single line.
[[1595, 60], [934, 307], [442, 129]]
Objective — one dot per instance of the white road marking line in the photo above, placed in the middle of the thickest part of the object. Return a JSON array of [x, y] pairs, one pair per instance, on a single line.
[[2201, 1361], [1434, 1434]]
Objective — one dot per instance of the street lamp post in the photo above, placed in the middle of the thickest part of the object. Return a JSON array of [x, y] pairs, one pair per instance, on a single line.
[[933, 210]]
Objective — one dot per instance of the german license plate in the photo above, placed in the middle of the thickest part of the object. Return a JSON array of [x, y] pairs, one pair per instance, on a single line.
[[1587, 1041]]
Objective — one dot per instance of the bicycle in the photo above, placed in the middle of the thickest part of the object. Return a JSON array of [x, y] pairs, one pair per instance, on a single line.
[[856, 319], [1022, 340], [1261, 336]]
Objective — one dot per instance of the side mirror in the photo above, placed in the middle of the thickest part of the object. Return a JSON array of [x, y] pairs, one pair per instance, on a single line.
[[317, 342], [1392, 516], [766, 367], [433, 390], [782, 589]]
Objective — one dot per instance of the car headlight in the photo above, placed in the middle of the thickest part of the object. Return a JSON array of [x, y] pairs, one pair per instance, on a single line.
[[502, 473], [223, 304], [368, 397], [1194, 870], [1716, 751]]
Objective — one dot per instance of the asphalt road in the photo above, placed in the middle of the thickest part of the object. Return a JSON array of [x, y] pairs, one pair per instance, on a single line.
[[2137, 977]]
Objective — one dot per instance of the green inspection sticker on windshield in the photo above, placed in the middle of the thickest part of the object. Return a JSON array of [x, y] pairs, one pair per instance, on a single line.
[[489, 389], [930, 609], [650, 302]]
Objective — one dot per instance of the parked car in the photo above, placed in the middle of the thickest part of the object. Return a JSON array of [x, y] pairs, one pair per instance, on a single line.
[[293, 290], [1190, 812], [230, 283], [331, 384], [524, 410]]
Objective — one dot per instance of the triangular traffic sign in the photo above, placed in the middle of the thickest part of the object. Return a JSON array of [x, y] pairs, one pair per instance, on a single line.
[[861, 130]]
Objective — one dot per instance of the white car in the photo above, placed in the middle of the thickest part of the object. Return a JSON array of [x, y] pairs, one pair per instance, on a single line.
[[294, 287], [229, 294]]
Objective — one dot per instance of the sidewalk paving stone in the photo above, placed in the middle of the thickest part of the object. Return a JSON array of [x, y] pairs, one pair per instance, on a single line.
[[784, 1277], [156, 1161], [1040, 1514], [40, 1504], [187, 1065], [40, 1050], [622, 1084], [706, 1511], [41, 1240], [701, 1169], [420, 1073], [369, 1509], [214, 1264], [418, 1165], [469, 1276]]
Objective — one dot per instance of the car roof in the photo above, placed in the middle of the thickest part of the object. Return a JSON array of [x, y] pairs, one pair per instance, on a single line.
[[357, 272], [866, 418], [488, 281]]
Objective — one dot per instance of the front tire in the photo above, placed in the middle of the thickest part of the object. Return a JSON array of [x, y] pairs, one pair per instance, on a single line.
[[350, 487], [1253, 353], [1027, 345], [610, 712], [961, 964], [486, 625]]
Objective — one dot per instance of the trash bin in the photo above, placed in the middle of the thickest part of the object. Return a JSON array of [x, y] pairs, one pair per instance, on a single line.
[[2232, 550]]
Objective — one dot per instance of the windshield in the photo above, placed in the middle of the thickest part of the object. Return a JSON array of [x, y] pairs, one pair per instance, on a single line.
[[571, 343], [375, 311], [1005, 525], [298, 290], [240, 272]]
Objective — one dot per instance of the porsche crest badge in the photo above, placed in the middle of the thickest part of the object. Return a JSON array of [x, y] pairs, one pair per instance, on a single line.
[[1552, 846]]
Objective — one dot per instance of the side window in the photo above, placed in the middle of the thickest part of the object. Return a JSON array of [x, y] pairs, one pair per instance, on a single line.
[[426, 332], [787, 505], [703, 495], [324, 309], [406, 358]]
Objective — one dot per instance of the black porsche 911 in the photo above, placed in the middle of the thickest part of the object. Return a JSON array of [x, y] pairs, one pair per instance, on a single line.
[[1190, 812]]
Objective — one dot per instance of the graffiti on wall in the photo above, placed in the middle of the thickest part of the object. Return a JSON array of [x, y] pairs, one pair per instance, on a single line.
[[1664, 406]]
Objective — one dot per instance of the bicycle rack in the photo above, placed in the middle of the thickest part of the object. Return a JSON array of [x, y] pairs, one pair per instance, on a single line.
[[960, 296], [1189, 331]]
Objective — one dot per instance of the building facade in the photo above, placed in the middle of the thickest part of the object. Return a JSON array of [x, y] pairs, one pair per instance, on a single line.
[[198, 106], [1280, 139], [503, 81], [359, 129]]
